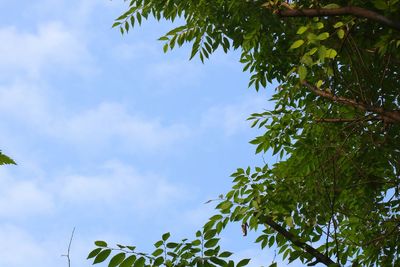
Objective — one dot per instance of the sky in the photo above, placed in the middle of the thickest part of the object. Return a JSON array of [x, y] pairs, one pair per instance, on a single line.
[[111, 135]]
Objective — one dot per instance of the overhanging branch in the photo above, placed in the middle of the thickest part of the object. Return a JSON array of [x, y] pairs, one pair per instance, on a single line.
[[339, 120], [386, 116], [295, 240], [341, 11]]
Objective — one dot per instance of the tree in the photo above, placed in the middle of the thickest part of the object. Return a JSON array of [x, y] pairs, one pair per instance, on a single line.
[[333, 198]]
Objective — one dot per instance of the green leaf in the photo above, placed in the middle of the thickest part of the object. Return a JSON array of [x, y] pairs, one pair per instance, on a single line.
[[166, 236], [302, 29], [128, 262], [6, 160], [116, 24], [243, 262], [211, 243], [157, 252], [165, 47], [331, 53], [159, 261], [93, 253], [140, 262], [331, 6], [127, 26], [323, 36], [338, 24], [297, 44], [132, 248], [102, 256], [172, 245], [225, 254], [302, 72], [340, 33], [319, 25], [210, 234], [117, 259], [218, 261], [158, 243], [289, 221], [380, 4], [100, 243]]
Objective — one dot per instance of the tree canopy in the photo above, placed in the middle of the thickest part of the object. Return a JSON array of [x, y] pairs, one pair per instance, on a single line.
[[333, 198]]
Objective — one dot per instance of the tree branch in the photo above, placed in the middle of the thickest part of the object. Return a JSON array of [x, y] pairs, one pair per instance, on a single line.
[[341, 11], [387, 116], [69, 248], [338, 120], [295, 240]]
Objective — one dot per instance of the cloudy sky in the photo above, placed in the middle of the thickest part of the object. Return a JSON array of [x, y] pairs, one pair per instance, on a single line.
[[111, 135]]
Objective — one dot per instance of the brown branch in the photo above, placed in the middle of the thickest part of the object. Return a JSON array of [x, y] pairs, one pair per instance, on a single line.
[[387, 116], [341, 11], [296, 241], [337, 120]]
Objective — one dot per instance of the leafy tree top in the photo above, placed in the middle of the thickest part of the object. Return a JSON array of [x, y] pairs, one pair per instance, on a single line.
[[334, 196]]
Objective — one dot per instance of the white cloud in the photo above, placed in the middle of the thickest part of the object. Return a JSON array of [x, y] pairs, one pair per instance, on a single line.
[[19, 249], [110, 122], [52, 45], [175, 73], [109, 185], [137, 50], [23, 197], [118, 183], [25, 102], [105, 125], [232, 118]]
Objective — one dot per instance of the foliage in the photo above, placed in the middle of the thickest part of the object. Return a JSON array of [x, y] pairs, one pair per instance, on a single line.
[[4, 159], [333, 197], [202, 251]]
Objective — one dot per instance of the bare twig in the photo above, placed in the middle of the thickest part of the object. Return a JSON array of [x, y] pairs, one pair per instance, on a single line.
[[69, 248]]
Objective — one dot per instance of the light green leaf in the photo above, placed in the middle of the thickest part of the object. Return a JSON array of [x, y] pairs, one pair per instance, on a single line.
[[331, 6], [340, 33], [319, 25], [302, 29], [323, 36], [331, 53], [297, 44], [302, 72], [338, 24]]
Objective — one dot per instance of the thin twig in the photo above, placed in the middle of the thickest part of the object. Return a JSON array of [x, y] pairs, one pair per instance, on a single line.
[[69, 248]]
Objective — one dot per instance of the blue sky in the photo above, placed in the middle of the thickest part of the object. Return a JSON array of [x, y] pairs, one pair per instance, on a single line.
[[111, 135]]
